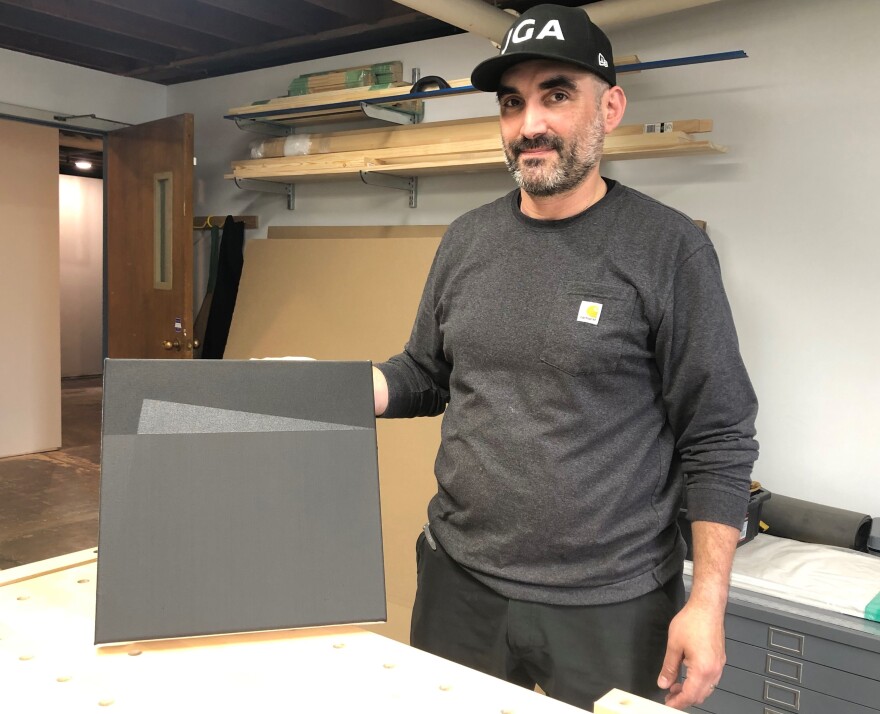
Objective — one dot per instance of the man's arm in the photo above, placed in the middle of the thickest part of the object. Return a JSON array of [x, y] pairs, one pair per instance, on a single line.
[[696, 634]]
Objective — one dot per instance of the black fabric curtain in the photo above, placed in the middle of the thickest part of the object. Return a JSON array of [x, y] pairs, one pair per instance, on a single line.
[[229, 265]]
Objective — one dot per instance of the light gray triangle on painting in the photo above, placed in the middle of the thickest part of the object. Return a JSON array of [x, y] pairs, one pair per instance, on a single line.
[[161, 417]]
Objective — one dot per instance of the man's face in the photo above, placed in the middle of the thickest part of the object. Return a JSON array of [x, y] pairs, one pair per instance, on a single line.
[[552, 125]]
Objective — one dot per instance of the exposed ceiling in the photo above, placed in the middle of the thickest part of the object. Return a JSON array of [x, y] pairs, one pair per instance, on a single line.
[[172, 41]]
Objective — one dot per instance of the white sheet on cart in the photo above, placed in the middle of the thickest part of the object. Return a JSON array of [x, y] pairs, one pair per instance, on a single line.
[[824, 576]]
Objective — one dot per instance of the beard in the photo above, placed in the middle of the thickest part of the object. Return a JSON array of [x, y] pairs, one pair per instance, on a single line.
[[577, 158]]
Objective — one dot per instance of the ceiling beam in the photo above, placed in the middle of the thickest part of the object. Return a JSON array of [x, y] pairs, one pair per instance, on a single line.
[[360, 10], [121, 22], [295, 19], [240, 31], [76, 141], [61, 51], [295, 49], [57, 28]]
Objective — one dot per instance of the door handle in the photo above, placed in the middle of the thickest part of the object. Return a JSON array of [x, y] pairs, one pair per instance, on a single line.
[[169, 345]]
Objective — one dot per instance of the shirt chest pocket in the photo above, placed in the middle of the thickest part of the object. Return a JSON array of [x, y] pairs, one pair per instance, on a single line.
[[587, 327]]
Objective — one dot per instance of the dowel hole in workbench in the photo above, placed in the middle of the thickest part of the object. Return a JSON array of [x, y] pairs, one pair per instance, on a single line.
[[445, 687], [135, 653], [624, 702], [63, 678], [26, 657], [338, 645], [105, 702], [83, 581], [23, 597]]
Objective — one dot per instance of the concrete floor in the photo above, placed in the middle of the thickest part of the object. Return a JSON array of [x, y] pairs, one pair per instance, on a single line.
[[49, 501]]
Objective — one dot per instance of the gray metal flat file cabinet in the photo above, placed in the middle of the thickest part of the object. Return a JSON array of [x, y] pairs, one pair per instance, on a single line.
[[783, 657]]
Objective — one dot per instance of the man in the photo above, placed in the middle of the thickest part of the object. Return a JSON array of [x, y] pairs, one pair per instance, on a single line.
[[578, 336]]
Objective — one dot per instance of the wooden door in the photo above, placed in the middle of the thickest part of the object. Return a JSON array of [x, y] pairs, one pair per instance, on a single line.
[[148, 171]]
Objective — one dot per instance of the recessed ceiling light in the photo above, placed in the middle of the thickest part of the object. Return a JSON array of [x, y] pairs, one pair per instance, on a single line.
[[84, 165]]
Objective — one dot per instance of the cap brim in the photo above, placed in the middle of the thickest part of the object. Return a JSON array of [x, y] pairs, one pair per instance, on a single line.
[[487, 75]]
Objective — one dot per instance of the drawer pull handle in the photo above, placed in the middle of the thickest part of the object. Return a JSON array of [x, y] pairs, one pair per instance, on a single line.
[[768, 710], [783, 640], [778, 694], [777, 666]]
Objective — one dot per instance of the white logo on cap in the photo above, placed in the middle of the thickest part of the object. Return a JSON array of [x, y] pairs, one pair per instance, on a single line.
[[525, 30], [602, 61]]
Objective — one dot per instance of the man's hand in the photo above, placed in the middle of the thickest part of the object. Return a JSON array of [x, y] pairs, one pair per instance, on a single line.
[[696, 634], [696, 639]]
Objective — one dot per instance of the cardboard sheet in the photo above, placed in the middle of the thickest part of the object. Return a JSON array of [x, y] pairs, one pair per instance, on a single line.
[[351, 292]]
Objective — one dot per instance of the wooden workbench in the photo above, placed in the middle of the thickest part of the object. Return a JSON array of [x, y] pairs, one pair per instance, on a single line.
[[49, 664]]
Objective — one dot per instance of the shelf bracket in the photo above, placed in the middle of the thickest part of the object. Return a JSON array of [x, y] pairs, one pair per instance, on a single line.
[[410, 184], [255, 126], [287, 189], [392, 116]]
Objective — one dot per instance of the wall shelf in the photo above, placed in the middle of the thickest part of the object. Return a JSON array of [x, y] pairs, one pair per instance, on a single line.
[[397, 156]]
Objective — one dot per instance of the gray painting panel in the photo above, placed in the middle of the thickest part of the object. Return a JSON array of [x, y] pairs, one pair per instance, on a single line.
[[334, 392], [208, 533], [158, 417]]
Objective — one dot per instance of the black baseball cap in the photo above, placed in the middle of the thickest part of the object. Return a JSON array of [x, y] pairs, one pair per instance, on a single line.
[[563, 34]]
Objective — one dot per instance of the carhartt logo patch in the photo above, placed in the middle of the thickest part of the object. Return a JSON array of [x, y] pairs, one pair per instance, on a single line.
[[602, 61], [590, 312]]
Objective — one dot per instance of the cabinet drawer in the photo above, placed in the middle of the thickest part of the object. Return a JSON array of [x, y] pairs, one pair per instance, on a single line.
[[785, 696], [722, 702], [799, 673], [790, 643]]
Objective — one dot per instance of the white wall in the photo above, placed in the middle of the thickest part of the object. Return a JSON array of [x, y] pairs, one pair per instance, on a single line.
[[55, 86], [30, 388], [81, 231], [789, 207]]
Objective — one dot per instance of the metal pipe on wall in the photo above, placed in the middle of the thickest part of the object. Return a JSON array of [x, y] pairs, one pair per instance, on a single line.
[[490, 22], [471, 15]]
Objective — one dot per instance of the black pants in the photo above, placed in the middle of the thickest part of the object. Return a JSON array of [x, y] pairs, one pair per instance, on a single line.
[[575, 653]]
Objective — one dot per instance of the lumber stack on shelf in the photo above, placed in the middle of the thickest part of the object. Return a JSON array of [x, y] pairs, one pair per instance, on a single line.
[[441, 132], [384, 73], [447, 147], [343, 103]]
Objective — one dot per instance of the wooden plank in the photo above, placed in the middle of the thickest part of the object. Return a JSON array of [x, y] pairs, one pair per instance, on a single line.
[[345, 78], [358, 159], [430, 232], [689, 126], [482, 154], [400, 154], [356, 94], [619, 702], [49, 664], [442, 132], [344, 113], [30, 571], [385, 137], [200, 223]]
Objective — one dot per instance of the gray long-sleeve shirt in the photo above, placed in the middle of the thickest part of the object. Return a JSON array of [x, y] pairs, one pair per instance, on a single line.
[[583, 361]]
